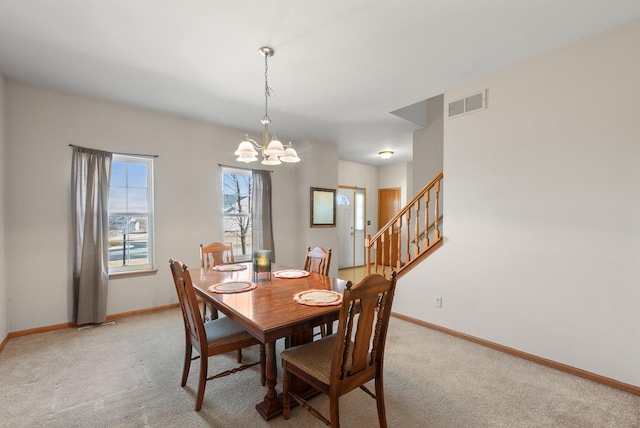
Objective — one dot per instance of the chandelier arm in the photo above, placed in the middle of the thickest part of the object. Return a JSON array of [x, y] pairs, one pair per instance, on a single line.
[[255, 143], [252, 141]]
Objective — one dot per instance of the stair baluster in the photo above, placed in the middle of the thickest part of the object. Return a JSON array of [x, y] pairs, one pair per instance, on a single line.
[[383, 240]]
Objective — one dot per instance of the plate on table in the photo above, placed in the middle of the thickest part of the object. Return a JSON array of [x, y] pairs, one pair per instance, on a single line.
[[291, 273], [228, 268], [232, 287], [318, 298]]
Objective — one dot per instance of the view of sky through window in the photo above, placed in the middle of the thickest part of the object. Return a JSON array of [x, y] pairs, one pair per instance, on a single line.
[[128, 187]]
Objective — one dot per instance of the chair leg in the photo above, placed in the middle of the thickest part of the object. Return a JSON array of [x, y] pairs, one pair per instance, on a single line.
[[209, 313], [334, 411], [202, 382], [286, 400], [187, 362], [326, 329], [382, 417], [329, 329], [204, 312], [263, 365], [239, 355]]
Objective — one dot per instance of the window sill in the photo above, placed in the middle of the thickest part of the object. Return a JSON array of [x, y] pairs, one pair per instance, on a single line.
[[130, 274]]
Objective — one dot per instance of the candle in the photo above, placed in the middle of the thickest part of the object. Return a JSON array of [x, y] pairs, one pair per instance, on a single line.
[[261, 263]]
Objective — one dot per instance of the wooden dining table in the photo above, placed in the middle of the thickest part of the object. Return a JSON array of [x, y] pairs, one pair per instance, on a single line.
[[269, 313]]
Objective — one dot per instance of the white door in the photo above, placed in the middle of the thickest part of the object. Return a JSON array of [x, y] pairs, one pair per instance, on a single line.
[[346, 224], [359, 216], [351, 226]]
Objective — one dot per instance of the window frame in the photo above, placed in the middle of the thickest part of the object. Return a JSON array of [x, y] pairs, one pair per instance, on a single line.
[[138, 269]]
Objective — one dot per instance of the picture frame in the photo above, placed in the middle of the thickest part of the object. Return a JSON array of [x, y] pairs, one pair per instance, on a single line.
[[323, 207]]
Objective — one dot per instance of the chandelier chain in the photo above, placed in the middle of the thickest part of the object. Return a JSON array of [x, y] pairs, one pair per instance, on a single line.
[[267, 89]]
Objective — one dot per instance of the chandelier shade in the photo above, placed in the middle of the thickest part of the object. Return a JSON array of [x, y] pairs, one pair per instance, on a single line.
[[272, 150], [246, 148], [246, 159], [290, 156]]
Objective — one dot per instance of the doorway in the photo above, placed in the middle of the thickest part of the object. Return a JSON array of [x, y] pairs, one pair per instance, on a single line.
[[351, 203], [388, 207]]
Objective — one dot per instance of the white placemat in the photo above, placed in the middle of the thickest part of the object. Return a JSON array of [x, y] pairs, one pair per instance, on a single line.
[[318, 298], [228, 268], [232, 287], [291, 273]]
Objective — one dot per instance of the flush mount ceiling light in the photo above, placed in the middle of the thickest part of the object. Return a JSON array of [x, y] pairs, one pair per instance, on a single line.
[[272, 150], [385, 154]]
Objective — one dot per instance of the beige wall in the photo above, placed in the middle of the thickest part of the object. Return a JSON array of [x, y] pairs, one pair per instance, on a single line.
[[41, 124], [325, 175], [543, 199], [4, 304], [428, 146], [394, 175]]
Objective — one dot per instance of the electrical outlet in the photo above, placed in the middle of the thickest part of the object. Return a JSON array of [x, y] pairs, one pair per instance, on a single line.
[[437, 301]]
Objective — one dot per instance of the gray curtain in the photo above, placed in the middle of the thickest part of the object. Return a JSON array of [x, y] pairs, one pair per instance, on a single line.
[[262, 228], [90, 173]]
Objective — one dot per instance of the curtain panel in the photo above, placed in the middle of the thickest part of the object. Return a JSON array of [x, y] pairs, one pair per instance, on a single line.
[[90, 170], [262, 228]]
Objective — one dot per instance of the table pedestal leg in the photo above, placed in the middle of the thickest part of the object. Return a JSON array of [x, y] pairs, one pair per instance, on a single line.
[[270, 407]]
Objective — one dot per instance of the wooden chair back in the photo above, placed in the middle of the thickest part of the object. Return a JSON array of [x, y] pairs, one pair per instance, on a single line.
[[216, 253], [318, 260], [362, 331], [194, 325]]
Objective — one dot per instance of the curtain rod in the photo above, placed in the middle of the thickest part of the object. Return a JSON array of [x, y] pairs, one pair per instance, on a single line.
[[119, 153], [245, 169]]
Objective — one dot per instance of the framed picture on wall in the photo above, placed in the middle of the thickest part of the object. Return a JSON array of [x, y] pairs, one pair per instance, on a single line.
[[323, 207]]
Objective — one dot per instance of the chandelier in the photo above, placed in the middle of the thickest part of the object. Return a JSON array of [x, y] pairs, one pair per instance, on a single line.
[[272, 150]]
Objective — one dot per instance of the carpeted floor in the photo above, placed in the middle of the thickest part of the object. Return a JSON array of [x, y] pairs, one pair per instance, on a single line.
[[128, 375]]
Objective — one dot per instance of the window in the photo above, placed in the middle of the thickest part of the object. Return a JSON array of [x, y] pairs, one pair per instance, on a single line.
[[237, 186], [131, 214]]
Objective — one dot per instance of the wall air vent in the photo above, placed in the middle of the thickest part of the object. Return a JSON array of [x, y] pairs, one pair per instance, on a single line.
[[470, 103]]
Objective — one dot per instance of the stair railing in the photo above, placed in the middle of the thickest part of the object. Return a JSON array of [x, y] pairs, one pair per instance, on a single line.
[[421, 235]]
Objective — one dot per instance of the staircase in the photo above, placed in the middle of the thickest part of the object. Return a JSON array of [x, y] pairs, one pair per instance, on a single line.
[[412, 235]]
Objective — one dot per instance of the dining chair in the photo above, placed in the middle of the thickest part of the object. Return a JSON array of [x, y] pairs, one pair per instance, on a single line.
[[318, 260], [341, 362], [212, 338], [216, 253]]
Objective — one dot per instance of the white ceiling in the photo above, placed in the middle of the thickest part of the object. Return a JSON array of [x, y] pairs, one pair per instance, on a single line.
[[340, 66]]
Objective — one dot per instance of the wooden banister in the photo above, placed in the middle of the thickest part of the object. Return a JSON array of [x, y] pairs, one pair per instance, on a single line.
[[419, 209], [420, 235]]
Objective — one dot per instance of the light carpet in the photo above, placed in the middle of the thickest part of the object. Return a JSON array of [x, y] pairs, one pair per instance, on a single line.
[[128, 375]]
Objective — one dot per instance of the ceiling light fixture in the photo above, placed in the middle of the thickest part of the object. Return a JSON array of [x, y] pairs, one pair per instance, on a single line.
[[272, 150], [385, 154]]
